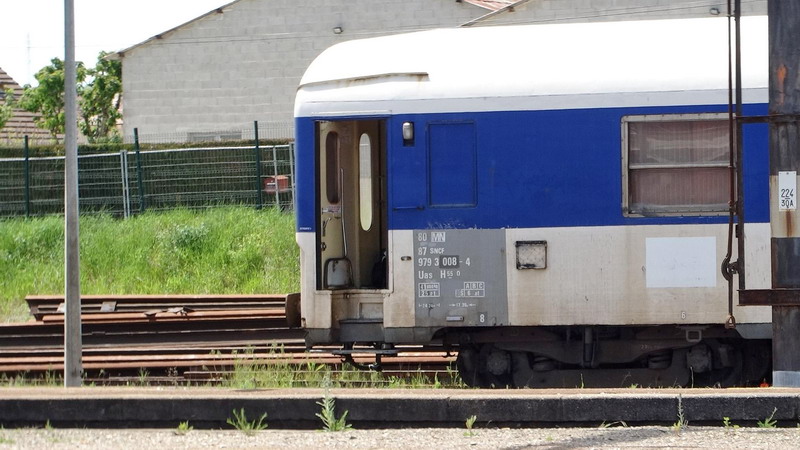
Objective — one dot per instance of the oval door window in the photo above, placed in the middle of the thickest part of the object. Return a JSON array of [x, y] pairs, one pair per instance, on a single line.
[[365, 181], [332, 167]]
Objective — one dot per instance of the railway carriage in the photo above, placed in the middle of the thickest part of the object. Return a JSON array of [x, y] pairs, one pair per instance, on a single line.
[[552, 201]]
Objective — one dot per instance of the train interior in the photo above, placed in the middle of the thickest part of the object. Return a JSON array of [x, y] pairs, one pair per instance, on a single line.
[[351, 198]]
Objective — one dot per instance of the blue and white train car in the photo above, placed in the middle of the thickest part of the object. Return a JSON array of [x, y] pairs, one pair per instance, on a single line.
[[549, 200]]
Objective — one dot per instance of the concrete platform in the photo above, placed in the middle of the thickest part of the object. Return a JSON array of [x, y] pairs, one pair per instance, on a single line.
[[296, 408]]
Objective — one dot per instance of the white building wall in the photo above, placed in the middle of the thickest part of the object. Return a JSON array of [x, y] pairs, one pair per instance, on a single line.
[[225, 70]]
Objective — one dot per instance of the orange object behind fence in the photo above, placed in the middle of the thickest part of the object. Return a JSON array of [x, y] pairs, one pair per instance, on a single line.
[[278, 183]]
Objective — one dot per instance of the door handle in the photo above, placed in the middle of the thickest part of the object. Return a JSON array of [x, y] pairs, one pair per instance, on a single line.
[[325, 223]]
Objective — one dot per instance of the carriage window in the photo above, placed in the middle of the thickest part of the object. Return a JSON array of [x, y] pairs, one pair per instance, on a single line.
[[332, 188], [365, 181], [676, 164]]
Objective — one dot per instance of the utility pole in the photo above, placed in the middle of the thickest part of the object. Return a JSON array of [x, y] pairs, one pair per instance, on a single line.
[[72, 291], [784, 165]]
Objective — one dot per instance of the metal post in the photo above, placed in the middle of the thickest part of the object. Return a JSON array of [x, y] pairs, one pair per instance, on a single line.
[[72, 315], [291, 175], [139, 181], [259, 195], [784, 152], [275, 176], [126, 190], [740, 205], [27, 174]]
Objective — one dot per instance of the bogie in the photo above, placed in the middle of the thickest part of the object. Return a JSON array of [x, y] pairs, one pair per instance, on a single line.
[[613, 363]]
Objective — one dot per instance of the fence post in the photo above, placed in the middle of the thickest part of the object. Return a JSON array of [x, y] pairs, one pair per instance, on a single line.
[[126, 191], [259, 196], [27, 172], [140, 183]]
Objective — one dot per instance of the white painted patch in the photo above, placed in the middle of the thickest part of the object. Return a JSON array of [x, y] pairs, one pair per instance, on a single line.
[[787, 191], [681, 262]]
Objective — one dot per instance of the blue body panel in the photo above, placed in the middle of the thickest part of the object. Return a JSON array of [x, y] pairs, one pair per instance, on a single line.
[[305, 171], [559, 168]]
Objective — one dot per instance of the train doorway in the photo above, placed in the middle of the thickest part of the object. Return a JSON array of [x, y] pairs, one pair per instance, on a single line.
[[352, 215]]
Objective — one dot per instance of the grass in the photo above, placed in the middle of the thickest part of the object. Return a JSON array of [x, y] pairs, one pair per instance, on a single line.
[[24, 379], [249, 374], [617, 423], [143, 374], [248, 427], [769, 422], [330, 423], [726, 422], [231, 250], [183, 429], [3, 438], [682, 422], [470, 424], [253, 374], [328, 415]]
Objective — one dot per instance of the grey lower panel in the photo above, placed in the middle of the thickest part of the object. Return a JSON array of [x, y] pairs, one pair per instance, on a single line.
[[413, 335], [755, 330], [356, 331], [361, 331], [460, 278], [320, 336], [785, 378]]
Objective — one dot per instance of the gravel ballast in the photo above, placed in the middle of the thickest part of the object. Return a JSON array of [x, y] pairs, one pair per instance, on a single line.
[[450, 438]]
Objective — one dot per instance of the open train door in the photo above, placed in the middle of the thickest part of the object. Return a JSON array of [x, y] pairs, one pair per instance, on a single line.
[[352, 217]]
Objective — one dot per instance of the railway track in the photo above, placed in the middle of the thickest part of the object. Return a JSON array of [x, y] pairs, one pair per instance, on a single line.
[[190, 336]]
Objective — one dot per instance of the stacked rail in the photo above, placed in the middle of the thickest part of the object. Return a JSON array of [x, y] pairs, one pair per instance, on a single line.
[[44, 305], [178, 334], [125, 332]]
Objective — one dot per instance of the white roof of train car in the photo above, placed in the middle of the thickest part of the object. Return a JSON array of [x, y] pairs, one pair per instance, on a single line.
[[535, 67]]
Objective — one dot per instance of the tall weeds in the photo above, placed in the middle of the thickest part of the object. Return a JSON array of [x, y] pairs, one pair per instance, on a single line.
[[235, 250]]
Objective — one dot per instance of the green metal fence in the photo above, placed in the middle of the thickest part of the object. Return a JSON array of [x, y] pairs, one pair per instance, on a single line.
[[131, 182]]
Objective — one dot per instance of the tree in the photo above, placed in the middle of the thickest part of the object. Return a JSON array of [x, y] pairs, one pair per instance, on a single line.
[[100, 100], [47, 99], [6, 107]]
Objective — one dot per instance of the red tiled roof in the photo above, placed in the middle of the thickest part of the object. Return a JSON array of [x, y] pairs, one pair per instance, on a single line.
[[22, 122]]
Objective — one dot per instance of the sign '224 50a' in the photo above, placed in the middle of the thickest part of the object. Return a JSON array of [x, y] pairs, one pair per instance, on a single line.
[[787, 191]]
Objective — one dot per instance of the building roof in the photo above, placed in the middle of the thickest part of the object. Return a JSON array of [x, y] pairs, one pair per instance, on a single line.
[[495, 6], [22, 123], [162, 35]]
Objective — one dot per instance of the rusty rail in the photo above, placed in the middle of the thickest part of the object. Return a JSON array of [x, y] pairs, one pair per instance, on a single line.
[[192, 334]]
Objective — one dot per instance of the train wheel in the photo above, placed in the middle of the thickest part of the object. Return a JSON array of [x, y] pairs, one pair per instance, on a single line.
[[484, 366], [497, 364]]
